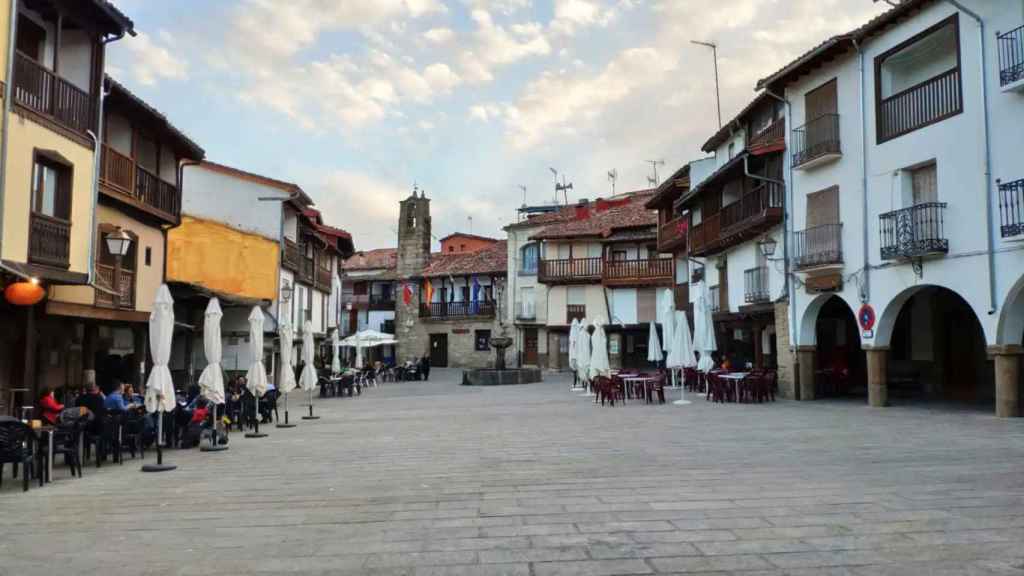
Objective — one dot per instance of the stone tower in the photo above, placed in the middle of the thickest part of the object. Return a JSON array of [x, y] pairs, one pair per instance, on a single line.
[[413, 256]]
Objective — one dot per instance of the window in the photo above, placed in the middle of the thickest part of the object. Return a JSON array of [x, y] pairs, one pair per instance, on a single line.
[[619, 255], [149, 256], [823, 207], [483, 340], [530, 259], [51, 189], [732, 150], [451, 248], [924, 184]]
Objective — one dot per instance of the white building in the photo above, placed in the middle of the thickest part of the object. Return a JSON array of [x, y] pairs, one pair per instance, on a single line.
[[905, 205]]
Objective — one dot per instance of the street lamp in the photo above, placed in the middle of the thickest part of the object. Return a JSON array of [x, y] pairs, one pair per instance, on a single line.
[[118, 244], [286, 291], [767, 246]]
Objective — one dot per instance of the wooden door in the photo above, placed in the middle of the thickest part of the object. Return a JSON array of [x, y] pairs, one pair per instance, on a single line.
[[439, 350], [530, 346]]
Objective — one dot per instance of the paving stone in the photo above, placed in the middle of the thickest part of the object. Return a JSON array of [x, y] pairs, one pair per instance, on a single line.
[[592, 568]]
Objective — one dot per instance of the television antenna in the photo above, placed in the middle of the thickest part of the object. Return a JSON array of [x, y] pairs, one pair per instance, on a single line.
[[613, 175], [564, 187], [653, 180]]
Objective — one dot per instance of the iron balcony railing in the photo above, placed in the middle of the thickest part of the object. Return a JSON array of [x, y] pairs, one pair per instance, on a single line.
[[914, 232], [1011, 208], [817, 138], [1011, 56], [755, 285], [925, 103], [818, 246]]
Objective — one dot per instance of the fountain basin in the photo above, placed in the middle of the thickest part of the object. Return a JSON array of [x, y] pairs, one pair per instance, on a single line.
[[509, 376]]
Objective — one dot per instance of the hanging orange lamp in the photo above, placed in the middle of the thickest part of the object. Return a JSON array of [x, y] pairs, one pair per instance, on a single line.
[[24, 293]]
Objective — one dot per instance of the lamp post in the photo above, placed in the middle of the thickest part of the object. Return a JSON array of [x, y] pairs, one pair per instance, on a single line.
[[118, 244], [767, 246]]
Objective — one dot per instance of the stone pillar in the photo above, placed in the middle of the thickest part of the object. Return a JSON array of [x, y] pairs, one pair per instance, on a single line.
[[1007, 369], [878, 377], [806, 357], [786, 359]]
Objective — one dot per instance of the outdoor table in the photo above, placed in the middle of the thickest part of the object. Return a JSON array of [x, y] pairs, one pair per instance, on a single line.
[[48, 431], [643, 381], [735, 378]]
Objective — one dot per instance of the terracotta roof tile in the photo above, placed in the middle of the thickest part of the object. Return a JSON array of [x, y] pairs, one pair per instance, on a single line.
[[380, 258], [490, 260], [599, 219]]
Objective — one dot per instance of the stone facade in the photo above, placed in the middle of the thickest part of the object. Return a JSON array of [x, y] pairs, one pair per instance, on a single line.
[[785, 358]]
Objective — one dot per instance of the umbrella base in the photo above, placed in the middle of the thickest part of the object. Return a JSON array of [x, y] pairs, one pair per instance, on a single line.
[[682, 402], [310, 417], [255, 435], [158, 467], [217, 448], [284, 426]]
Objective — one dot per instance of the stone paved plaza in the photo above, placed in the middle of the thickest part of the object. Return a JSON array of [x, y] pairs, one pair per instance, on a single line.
[[434, 478]]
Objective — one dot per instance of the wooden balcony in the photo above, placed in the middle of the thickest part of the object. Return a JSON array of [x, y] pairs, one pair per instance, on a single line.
[[818, 246], [125, 286], [125, 180], [645, 272], [920, 105], [52, 97], [307, 271], [291, 259], [570, 271], [672, 235], [1011, 59], [746, 218], [816, 142], [771, 139], [575, 312], [914, 232], [1011, 208], [49, 241], [382, 301], [755, 285], [457, 310], [323, 279]]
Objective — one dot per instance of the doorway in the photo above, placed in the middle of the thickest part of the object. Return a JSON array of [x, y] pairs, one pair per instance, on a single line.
[[439, 350], [841, 369], [530, 346]]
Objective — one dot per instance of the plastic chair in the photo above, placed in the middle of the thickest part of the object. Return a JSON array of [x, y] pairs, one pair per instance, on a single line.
[[17, 442]]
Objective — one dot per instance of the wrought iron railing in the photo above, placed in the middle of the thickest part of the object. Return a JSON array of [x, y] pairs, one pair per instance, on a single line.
[[49, 240], [481, 309], [526, 310], [920, 105], [125, 287], [818, 246], [1011, 56], [46, 93], [914, 232], [817, 138], [1011, 208], [755, 285]]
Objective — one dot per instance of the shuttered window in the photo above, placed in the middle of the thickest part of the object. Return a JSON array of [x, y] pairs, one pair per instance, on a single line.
[[820, 101], [924, 181], [823, 207]]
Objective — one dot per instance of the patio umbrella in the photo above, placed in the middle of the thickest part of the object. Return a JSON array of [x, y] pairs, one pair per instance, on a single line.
[[308, 378], [335, 349], [668, 315], [682, 351], [211, 381], [583, 355], [653, 345], [256, 377], [704, 328], [574, 331], [286, 377], [599, 365], [159, 386]]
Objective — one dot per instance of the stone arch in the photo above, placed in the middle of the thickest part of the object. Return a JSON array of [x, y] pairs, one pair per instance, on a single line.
[[808, 335], [890, 313], [1010, 328]]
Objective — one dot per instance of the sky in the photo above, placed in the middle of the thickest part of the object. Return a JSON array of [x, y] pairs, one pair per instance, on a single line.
[[358, 101]]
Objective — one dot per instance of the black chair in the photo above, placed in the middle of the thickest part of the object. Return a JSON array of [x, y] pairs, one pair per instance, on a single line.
[[66, 437], [133, 433], [16, 447]]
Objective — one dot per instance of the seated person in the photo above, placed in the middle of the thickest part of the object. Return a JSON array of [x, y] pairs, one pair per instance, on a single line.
[[131, 396], [94, 401], [49, 408], [115, 400], [196, 424]]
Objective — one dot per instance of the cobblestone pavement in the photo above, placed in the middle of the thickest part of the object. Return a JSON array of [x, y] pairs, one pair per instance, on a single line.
[[434, 478]]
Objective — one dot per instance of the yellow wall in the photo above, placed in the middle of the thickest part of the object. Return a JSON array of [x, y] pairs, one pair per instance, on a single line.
[[147, 278], [25, 137], [222, 259], [5, 30]]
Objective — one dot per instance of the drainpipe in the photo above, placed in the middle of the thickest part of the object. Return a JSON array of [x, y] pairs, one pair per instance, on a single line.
[[865, 289], [8, 95], [787, 221], [988, 156], [181, 196], [785, 239]]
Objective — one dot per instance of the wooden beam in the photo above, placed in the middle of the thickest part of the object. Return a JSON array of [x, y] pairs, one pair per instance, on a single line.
[[105, 314]]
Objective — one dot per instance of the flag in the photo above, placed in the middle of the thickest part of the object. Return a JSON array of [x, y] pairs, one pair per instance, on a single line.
[[407, 294], [428, 291], [476, 295]]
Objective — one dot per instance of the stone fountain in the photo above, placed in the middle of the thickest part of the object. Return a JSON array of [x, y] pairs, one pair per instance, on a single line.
[[500, 375]]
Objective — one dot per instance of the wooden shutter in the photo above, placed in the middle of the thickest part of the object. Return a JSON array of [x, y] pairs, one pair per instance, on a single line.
[[646, 305], [925, 184], [820, 101], [823, 207]]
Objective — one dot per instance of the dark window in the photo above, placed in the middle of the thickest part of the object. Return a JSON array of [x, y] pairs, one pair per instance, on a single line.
[[483, 340], [465, 293], [618, 255], [31, 37], [149, 256], [51, 189]]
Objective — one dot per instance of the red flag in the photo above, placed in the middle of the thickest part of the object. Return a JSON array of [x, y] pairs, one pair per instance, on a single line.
[[407, 294]]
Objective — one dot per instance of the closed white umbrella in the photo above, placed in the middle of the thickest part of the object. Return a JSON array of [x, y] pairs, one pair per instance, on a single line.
[[286, 376], [308, 378], [668, 311], [583, 355], [159, 386], [574, 331], [704, 328], [682, 351], [211, 381], [335, 360], [653, 345], [599, 365], [257, 375]]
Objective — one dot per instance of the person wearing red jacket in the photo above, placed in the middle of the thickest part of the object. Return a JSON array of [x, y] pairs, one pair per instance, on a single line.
[[49, 407]]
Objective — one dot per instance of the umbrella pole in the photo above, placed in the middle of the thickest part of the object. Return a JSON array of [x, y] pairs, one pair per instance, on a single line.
[[159, 466], [256, 433], [286, 424], [310, 417], [215, 445], [682, 392]]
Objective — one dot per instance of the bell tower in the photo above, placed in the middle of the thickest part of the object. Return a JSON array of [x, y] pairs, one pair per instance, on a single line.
[[413, 235]]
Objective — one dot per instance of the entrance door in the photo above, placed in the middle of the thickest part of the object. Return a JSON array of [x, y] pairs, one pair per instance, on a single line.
[[530, 346], [439, 350]]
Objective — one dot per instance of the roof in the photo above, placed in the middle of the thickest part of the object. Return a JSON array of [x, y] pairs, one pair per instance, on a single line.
[[288, 187], [722, 171], [122, 96], [632, 235], [336, 238], [464, 235], [599, 219], [841, 43], [490, 260], [564, 213], [118, 19], [730, 127], [379, 258], [667, 191]]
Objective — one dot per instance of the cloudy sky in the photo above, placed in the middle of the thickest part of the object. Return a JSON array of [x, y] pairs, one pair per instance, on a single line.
[[357, 100]]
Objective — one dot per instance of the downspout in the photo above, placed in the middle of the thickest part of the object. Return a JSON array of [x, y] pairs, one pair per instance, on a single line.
[[865, 288], [181, 197], [787, 221], [8, 95], [988, 157]]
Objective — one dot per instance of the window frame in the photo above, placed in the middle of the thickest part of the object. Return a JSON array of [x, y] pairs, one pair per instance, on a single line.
[[523, 269], [62, 192], [482, 345]]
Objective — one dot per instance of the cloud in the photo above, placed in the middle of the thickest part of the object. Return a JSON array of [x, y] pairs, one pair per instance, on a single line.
[[497, 46], [572, 15], [439, 35], [506, 7], [153, 60], [363, 204], [485, 112]]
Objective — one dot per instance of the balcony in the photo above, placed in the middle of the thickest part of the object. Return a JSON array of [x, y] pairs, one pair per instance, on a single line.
[[1011, 59], [526, 311], [323, 279], [575, 312], [715, 296], [570, 271], [382, 301], [672, 235], [771, 139], [920, 105], [755, 285], [457, 310], [914, 232], [1011, 208], [818, 246], [52, 97], [751, 215], [124, 179], [645, 272], [49, 241], [292, 258], [816, 142], [125, 286]]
